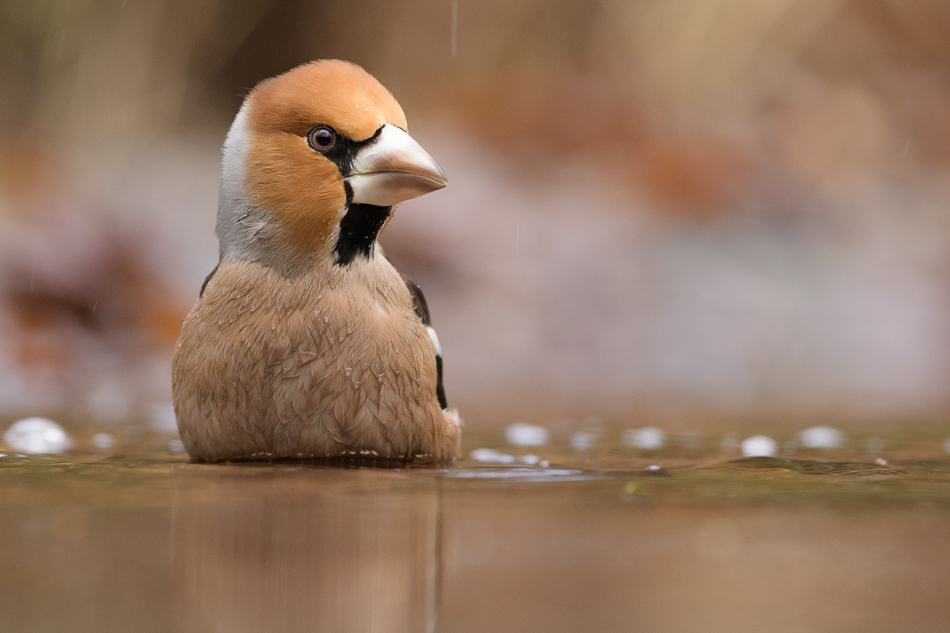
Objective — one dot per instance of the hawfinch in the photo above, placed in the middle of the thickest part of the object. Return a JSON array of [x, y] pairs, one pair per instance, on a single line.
[[305, 341]]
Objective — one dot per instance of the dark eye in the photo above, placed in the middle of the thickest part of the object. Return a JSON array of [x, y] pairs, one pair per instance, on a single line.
[[321, 138]]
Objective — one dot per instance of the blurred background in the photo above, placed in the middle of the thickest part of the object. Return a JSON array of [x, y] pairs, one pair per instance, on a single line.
[[690, 213]]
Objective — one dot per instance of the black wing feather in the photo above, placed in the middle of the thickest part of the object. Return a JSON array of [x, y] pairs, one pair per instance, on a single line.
[[207, 279], [422, 311]]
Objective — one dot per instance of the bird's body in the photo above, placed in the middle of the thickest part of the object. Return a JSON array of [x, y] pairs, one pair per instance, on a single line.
[[306, 342]]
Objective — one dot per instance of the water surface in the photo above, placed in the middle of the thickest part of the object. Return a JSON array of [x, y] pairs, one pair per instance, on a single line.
[[604, 539]]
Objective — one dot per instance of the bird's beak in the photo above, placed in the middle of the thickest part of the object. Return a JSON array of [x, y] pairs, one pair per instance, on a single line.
[[393, 168]]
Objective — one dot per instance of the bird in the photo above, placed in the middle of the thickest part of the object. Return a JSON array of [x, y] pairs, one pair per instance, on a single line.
[[305, 341]]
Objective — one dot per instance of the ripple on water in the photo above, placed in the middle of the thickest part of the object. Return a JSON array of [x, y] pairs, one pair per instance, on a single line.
[[522, 474]]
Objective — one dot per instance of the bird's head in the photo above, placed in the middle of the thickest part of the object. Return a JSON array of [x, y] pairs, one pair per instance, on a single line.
[[313, 164]]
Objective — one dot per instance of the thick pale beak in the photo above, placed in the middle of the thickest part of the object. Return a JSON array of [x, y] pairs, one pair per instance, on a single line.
[[392, 169]]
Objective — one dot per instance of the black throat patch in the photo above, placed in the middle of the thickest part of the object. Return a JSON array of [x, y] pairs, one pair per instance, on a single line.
[[362, 222], [358, 231]]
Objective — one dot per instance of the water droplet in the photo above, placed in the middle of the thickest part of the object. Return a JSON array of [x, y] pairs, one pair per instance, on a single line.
[[521, 434], [821, 437], [759, 446], [491, 455], [649, 438], [37, 436]]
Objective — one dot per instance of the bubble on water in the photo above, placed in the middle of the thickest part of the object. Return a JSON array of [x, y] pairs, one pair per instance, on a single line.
[[759, 446], [880, 461], [653, 468], [821, 437], [530, 459], [176, 446], [490, 455], [37, 436], [522, 434], [103, 440], [583, 440], [649, 438]]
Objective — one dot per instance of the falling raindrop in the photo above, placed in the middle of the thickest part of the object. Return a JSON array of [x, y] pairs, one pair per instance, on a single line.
[[455, 15]]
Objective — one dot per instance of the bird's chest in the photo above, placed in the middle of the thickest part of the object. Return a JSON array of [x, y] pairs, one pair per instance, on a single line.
[[337, 338]]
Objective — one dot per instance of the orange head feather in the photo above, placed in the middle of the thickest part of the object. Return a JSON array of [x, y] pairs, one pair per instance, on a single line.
[[302, 190]]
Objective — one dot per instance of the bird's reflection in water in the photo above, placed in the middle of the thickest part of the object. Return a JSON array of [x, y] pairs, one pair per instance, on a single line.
[[308, 549]]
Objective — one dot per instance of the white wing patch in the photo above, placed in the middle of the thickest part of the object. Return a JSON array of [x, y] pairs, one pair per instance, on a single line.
[[435, 340]]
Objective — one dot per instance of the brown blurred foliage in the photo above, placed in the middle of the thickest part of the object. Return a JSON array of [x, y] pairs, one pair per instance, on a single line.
[[814, 126]]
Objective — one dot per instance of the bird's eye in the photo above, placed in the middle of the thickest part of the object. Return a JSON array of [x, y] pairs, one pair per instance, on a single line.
[[321, 138]]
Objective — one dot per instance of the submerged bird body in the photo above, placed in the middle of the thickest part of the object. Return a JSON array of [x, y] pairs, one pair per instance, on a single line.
[[305, 341]]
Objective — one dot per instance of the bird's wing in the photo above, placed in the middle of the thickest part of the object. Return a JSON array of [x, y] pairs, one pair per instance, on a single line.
[[422, 310], [207, 279]]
